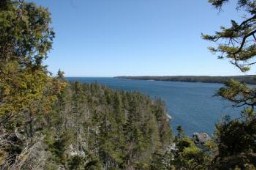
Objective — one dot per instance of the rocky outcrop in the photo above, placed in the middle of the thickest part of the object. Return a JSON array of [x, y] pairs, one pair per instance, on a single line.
[[200, 138]]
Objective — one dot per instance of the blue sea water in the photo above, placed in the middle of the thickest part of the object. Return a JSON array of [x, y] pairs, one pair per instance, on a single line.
[[191, 105]]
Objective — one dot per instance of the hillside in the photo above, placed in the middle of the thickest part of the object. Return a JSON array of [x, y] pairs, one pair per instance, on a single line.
[[94, 127], [49, 123]]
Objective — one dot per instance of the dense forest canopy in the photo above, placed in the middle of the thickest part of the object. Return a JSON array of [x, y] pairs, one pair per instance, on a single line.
[[49, 123]]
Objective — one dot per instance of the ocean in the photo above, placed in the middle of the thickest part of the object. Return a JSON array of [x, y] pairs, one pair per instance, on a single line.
[[191, 105]]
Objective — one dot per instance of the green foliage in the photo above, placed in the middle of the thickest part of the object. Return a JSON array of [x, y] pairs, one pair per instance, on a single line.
[[235, 139], [187, 153], [79, 126], [236, 143], [75, 162], [24, 82], [27, 93], [26, 33], [236, 42], [189, 156], [95, 127]]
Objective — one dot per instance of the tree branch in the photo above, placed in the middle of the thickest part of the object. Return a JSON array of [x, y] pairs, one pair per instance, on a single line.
[[243, 41], [249, 19]]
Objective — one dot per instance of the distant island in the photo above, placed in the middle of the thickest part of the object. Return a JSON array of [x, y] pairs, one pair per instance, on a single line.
[[249, 79]]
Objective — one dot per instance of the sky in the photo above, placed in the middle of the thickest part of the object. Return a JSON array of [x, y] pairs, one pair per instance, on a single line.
[[105, 38]]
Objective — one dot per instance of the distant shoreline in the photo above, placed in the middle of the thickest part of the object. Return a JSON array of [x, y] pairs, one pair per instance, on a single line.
[[249, 79]]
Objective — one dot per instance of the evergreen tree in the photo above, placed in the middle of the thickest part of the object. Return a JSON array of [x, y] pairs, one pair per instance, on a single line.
[[236, 138], [48, 123], [27, 92], [24, 42]]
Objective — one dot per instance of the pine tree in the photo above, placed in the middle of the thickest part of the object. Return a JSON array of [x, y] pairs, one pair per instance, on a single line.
[[236, 138]]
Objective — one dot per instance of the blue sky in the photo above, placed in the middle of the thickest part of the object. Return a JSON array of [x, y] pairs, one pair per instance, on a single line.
[[135, 37]]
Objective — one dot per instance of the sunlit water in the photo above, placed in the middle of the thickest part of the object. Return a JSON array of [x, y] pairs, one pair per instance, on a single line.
[[191, 105]]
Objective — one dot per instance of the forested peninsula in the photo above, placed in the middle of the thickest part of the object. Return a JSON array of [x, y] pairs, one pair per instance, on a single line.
[[249, 79], [48, 123]]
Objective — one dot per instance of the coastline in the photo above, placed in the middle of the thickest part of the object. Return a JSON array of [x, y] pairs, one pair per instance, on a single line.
[[249, 79]]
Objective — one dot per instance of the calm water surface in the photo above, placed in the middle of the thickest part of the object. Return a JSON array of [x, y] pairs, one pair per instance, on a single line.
[[191, 105]]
